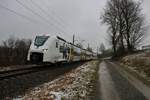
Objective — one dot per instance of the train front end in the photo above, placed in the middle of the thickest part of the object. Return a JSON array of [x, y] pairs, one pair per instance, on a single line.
[[38, 49]]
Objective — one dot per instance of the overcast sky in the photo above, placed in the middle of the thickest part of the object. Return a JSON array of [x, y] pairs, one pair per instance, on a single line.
[[57, 17]]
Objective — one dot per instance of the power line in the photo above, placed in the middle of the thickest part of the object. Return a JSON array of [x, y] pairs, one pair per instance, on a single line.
[[24, 16], [59, 19], [48, 15], [35, 4], [35, 13], [19, 14]]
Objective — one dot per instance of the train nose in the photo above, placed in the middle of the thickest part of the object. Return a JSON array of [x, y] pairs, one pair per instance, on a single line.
[[36, 57]]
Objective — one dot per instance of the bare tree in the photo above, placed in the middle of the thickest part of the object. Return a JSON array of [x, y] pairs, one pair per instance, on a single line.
[[135, 26], [126, 24], [89, 49], [110, 18], [102, 48], [14, 51]]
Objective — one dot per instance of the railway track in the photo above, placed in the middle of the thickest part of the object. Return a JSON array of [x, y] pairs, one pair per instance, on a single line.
[[14, 83], [21, 71], [27, 70]]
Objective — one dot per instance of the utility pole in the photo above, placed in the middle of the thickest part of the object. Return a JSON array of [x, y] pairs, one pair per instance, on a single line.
[[97, 50], [88, 46], [73, 38]]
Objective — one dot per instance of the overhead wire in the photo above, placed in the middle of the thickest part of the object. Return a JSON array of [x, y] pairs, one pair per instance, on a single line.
[[37, 14], [22, 16], [46, 13], [19, 14], [60, 20], [49, 16], [27, 17], [59, 17]]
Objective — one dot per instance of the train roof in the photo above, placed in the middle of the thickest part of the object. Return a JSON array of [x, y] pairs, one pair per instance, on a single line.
[[43, 35], [61, 38]]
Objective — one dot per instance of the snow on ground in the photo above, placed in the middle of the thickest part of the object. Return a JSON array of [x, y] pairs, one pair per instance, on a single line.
[[77, 84], [139, 63], [3, 68], [14, 67]]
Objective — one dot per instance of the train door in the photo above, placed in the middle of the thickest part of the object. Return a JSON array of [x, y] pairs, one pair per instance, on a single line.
[[57, 46], [63, 51], [61, 47], [55, 53]]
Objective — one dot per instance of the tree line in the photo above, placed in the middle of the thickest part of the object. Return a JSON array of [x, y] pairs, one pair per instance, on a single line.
[[14, 51], [126, 25]]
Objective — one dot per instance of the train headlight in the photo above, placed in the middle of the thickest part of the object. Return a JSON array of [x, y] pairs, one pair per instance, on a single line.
[[44, 50]]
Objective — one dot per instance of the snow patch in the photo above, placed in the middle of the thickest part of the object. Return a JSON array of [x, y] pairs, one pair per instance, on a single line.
[[76, 84]]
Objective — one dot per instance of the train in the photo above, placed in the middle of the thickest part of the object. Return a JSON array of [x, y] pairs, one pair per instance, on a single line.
[[53, 49]]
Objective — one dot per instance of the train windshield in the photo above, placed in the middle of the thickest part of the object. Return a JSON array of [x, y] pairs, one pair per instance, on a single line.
[[40, 40]]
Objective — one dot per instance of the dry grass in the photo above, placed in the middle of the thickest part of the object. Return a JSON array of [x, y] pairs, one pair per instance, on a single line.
[[139, 62], [77, 84]]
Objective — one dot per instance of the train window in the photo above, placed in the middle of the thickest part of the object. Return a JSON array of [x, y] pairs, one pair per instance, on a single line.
[[40, 40], [61, 49], [56, 44]]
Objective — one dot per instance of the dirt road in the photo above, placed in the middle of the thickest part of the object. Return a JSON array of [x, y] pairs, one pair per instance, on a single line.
[[116, 84]]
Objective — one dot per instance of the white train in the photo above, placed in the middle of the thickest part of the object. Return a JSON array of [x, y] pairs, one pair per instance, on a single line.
[[52, 49]]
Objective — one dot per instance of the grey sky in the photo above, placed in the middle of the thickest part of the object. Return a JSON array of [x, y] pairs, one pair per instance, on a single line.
[[66, 17]]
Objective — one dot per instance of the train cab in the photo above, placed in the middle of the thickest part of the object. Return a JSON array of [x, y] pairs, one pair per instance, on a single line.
[[46, 48]]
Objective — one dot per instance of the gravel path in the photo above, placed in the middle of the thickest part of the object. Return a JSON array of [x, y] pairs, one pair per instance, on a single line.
[[108, 91], [17, 86], [113, 86]]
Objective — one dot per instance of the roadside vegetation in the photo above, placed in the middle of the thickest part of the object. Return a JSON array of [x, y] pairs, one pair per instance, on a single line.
[[78, 84], [126, 25], [13, 51], [127, 28], [138, 62]]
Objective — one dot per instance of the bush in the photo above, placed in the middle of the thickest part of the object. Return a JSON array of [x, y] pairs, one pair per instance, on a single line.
[[14, 51], [140, 62]]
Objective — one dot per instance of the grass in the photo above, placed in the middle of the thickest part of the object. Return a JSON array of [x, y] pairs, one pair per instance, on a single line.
[[94, 82], [139, 65]]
